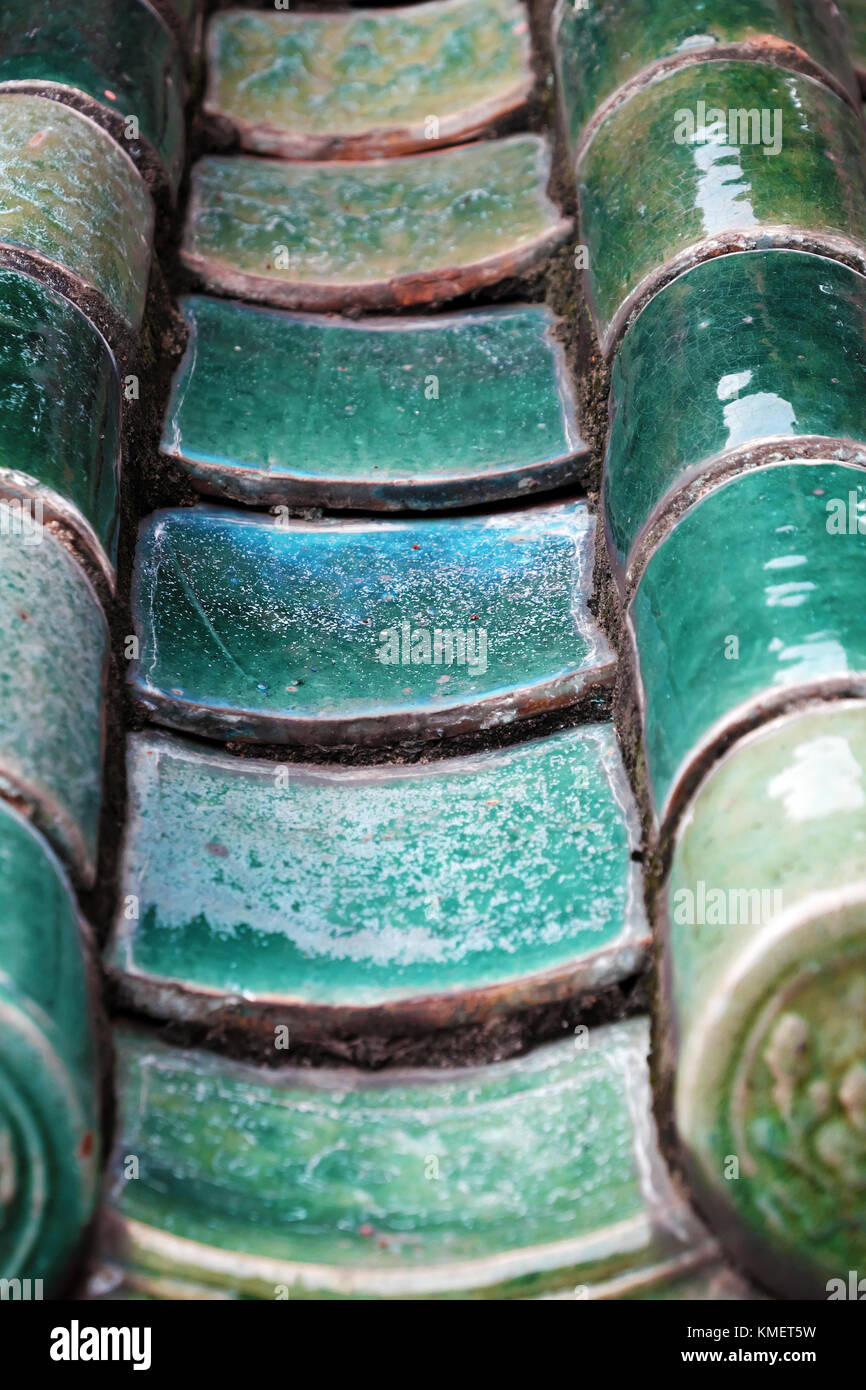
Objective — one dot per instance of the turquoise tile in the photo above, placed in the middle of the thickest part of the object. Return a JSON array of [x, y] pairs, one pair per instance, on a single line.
[[668, 182], [53, 653], [766, 1010], [76, 209], [606, 51], [357, 899], [59, 419], [113, 62], [749, 603], [380, 234], [261, 628], [362, 84], [380, 414], [509, 1181], [740, 361], [49, 1137]]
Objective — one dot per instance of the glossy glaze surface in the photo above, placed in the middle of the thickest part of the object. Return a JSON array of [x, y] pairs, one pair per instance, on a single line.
[[348, 889], [766, 948], [72, 197], [738, 352], [122, 56], [602, 46], [252, 627], [759, 561], [650, 202], [49, 1144], [374, 234], [53, 648], [426, 412], [440, 1184], [59, 412], [366, 82]]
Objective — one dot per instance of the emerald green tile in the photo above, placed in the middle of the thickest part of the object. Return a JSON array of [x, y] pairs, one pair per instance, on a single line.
[[504, 1181], [53, 651], [357, 898], [380, 414], [378, 234], [74, 201], [606, 50], [371, 82], [49, 1141], [753, 597], [121, 59], [740, 360], [659, 193], [254, 627], [766, 904], [59, 417]]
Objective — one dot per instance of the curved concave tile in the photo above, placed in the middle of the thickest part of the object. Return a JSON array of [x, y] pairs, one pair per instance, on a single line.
[[49, 1145], [339, 633], [376, 235], [368, 82], [509, 1180], [765, 955], [605, 52], [666, 183], [375, 898], [112, 61], [751, 602], [378, 414], [854, 12], [76, 211], [59, 419], [739, 361]]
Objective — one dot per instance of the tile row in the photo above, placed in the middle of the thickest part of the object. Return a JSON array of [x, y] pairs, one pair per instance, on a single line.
[[91, 131], [720, 174]]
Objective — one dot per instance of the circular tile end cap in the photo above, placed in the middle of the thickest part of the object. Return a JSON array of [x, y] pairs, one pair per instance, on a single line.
[[771, 1100]]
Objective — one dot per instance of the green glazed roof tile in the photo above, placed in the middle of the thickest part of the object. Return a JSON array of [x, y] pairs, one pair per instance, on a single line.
[[664, 186], [749, 603], [767, 961], [347, 632], [49, 1147], [269, 407], [608, 50], [738, 362], [53, 652], [59, 417], [363, 898], [113, 61], [74, 203], [368, 82], [371, 235], [509, 1180]]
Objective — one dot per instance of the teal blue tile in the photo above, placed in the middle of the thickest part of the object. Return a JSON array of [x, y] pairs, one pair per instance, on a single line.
[[256, 627]]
